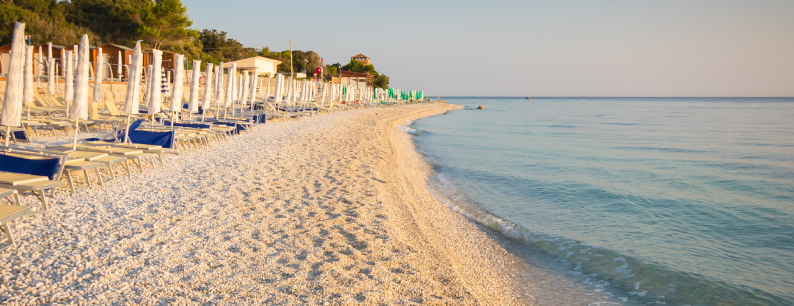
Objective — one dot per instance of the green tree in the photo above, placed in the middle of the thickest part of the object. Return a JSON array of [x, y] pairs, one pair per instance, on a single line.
[[382, 81], [45, 21], [113, 21], [166, 25], [355, 66], [218, 47]]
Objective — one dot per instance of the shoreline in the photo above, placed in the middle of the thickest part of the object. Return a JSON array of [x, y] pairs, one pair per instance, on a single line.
[[335, 209]]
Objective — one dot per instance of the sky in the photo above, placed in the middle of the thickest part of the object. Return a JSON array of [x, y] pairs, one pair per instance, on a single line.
[[534, 48]]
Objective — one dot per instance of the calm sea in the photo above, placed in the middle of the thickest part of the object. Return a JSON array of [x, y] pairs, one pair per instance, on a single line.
[[672, 200]]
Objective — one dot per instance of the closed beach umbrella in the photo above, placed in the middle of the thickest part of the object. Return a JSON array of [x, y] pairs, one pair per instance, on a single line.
[[68, 88], [50, 70], [98, 75], [39, 62], [80, 105], [193, 101], [277, 90], [147, 86], [134, 81], [165, 82], [253, 89], [119, 65], [219, 94], [133, 87], [154, 91], [219, 89], [244, 88], [207, 90], [229, 98], [12, 105], [267, 91], [50, 76], [179, 84], [27, 96]]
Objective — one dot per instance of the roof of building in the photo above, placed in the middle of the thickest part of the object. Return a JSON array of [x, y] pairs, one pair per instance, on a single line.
[[355, 74], [257, 57], [360, 55], [119, 47]]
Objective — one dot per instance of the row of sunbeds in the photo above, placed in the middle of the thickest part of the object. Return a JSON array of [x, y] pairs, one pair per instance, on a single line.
[[39, 172]]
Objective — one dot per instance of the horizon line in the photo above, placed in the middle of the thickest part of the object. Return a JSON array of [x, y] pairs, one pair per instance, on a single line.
[[451, 96]]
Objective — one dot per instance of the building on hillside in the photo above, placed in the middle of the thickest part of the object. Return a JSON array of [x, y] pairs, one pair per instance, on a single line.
[[361, 58], [349, 78], [257, 64]]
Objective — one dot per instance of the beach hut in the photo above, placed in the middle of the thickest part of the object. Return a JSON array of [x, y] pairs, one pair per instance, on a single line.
[[167, 59], [116, 55]]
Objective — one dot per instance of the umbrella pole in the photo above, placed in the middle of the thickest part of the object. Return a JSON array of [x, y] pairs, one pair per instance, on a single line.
[[8, 134], [127, 130], [76, 129], [173, 118]]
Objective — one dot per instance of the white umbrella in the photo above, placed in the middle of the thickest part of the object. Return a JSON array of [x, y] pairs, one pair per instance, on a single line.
[[80, 105], [219, 93], [119, 66], [68, 90], [134, 81], [207, 91], [39, 62], [323, 93], [179, 85], [287, 90], [133, 87], [229, 98], [253, 89], [277, 90], [244, 88], [193, 103], [28, 92], [50, 71], [147, 87], [12, 105], [267, 91], [50, 76], [98, 75], [154, 88], [219, 78]]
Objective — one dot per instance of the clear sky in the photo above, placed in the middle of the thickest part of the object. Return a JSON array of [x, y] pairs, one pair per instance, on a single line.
[[535, 48]]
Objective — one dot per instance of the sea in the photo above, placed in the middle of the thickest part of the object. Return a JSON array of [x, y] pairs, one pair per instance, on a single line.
[[679, 201]]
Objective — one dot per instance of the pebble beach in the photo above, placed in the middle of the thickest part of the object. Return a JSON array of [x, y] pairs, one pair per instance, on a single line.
[[330, 210]]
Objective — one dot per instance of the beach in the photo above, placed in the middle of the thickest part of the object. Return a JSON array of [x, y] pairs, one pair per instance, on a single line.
[[332, 210]]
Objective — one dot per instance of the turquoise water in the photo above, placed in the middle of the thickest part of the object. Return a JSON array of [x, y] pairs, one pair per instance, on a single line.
[[673, 200]]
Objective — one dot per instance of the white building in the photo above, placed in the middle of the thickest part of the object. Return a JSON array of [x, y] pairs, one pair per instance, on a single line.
[[257, 64]]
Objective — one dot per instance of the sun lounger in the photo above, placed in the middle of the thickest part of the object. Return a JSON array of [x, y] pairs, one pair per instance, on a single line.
[[34, 176], [9, 213]]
